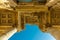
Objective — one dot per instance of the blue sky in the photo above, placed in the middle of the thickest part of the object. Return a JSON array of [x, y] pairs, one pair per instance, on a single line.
[[25, 0], [32, 32], [28, 0]]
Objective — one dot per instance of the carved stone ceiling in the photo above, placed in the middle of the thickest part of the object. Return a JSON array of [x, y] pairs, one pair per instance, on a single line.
[[7, 4]]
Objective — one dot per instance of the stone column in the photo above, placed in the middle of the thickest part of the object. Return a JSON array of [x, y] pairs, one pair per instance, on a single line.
[[19, 21], [51, 3], [55, 33], [8, 34]]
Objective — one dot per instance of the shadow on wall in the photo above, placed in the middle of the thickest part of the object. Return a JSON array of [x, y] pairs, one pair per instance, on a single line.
[[32, 32]]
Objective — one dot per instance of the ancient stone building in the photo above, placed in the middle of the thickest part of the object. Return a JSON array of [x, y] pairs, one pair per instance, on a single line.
[[14, 14]]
